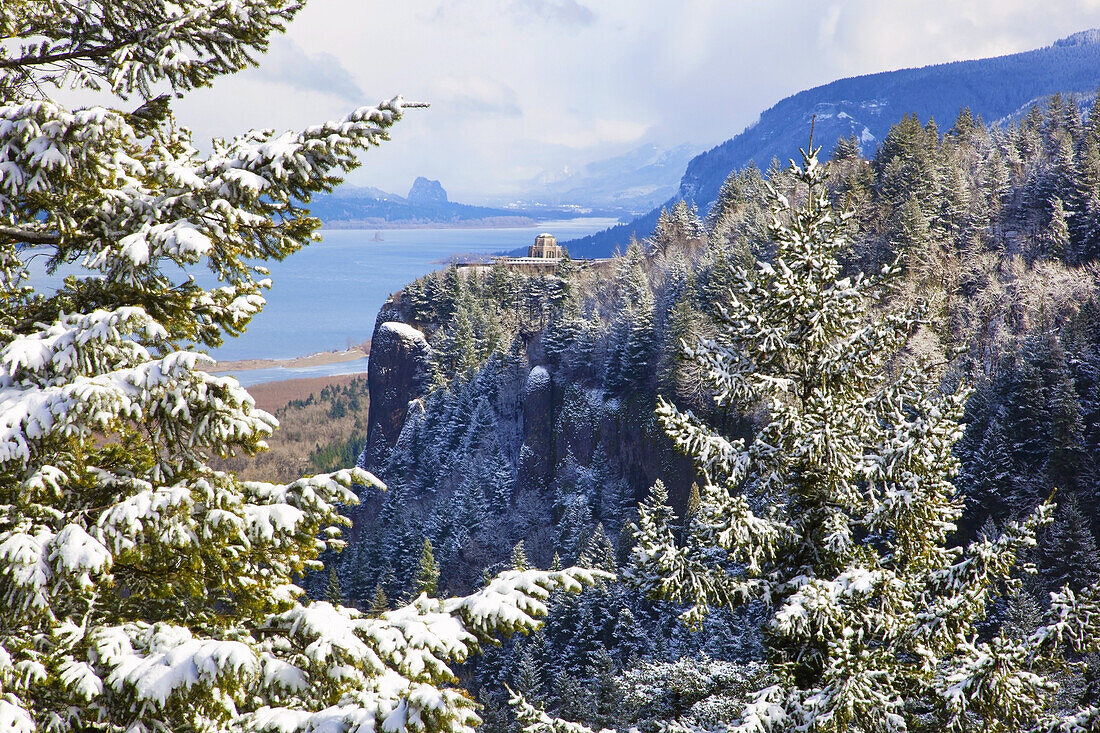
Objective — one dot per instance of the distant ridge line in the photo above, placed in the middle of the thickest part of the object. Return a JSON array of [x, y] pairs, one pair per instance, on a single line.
[[867, 106]]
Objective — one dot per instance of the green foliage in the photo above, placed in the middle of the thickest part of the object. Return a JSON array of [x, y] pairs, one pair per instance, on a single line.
[[519, 557], [379, 603], [427, 573], [332, 593], [974, 251], [341, 454], [838, 510], [140, 588]]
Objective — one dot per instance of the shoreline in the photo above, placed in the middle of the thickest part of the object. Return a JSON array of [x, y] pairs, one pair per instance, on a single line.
[[321, 358], [271, 396]]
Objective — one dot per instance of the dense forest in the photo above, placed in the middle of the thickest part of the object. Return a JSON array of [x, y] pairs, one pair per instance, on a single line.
[[772, 492], [537, 438]]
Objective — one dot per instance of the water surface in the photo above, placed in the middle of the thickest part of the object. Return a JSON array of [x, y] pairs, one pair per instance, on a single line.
[[326, 297]]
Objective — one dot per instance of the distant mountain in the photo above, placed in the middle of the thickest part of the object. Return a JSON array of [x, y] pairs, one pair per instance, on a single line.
[[635, 181], [866, 106], [364, 207], [427, 205], [425, 191]]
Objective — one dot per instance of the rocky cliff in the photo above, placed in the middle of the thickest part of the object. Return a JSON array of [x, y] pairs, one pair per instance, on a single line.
[[399, 372], [488, 433]]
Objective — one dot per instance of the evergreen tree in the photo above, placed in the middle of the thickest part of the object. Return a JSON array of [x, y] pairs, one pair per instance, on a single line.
[[332, 592], [872, 614], [427, 572], [574, 526], [527, 679], [1067, 549], [846, 148], [1065, 432], [140, 588], [599, 552], [607, 700], [990, 484], [1058, 241], [911, 230], [995, 183], [965, 125], [379, 603], [501, 480], [636, 371], [471, 511], [906, 164], [677, 229], [519, 557], [1023, 615]]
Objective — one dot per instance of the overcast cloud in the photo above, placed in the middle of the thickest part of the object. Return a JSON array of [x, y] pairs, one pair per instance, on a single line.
[[522, 89], [566, 12], [288, 64]]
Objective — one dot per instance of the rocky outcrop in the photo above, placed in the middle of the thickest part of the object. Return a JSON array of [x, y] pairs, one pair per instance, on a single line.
[[536, 455], [425, 191], [399, 372]]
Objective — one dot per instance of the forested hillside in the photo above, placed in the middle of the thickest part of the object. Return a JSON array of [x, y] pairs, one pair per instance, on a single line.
[[531, 434], [867, 106], [742, 459]]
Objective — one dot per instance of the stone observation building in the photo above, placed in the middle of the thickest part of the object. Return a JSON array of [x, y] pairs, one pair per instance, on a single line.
[[545, 247], [543, 258]]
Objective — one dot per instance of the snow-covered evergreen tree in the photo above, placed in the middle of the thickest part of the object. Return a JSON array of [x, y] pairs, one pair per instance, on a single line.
[[140, 589], [836, 514]]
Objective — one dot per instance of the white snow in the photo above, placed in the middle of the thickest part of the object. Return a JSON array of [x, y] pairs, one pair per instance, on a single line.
[[402, 331], [79, 553], [13, 718], [81, 678], [538, 379], [174, 659]]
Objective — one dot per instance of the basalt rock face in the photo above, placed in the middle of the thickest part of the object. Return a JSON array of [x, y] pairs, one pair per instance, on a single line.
[[536, 456], [399, 372]]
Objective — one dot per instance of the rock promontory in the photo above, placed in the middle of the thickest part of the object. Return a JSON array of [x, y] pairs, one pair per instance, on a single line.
[[426, 191], [399, 372]]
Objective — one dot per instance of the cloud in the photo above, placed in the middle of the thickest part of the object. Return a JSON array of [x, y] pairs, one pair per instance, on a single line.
[[519, 87], [565, 12], [475, 94], [288, 63], [579, 133], [826, 29]]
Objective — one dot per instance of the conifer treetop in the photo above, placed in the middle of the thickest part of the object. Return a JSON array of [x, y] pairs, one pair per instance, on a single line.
[[836, 513]]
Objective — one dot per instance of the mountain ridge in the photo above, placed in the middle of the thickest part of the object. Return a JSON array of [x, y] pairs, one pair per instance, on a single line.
[[867, 105]]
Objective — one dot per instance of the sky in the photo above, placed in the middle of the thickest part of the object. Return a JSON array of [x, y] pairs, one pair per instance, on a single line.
[[523, 91]]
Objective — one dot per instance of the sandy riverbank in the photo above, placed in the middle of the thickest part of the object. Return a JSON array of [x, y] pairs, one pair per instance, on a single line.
[[298, 362]]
